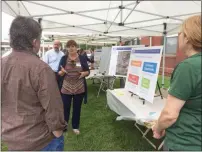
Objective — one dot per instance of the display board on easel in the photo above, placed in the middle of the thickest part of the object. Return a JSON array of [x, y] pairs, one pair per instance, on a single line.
[[105, 60], [120, 56], [97, 57], [143, 71]]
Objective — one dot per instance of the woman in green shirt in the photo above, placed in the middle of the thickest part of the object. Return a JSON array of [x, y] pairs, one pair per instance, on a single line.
[[180, 120]]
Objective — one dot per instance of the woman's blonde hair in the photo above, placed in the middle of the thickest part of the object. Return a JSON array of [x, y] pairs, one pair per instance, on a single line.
[[192, 29]]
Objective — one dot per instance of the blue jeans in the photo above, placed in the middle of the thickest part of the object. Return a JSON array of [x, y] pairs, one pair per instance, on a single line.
[[57, 144]]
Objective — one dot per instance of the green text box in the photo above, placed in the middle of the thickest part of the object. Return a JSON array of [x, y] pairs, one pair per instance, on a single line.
[[145, 83]]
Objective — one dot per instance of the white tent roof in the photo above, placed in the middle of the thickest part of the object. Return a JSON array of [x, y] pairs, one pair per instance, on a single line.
[[106, 20]]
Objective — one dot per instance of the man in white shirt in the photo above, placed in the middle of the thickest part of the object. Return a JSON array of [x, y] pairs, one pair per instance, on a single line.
[[53, 57]]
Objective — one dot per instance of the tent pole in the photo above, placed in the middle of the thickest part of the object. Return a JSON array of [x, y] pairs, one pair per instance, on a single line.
[[86, 11], [113, 21], [121, 12], [130, 28], [155, 14], [145, 21], [137, 2], [69, 12], [150, 41], [10, 8], [164, 53]]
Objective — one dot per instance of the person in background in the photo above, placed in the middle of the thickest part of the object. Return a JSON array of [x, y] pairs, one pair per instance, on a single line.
[[73, 69], [53, 57], [82, 52], [92, 58], [180, 120], [92, 54], [32, 108]]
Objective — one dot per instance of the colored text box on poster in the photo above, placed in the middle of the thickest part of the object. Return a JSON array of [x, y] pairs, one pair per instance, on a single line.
[[145, 83], [133, 79], [149, 67], [136, 63]]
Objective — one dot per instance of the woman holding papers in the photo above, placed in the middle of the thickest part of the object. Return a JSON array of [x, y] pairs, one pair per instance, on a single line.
[[180, 120], [73, 69]]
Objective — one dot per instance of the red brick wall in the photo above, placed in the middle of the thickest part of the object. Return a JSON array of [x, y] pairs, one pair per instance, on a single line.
[[169, 65], [144, 41], [179, 55], [156, 40]]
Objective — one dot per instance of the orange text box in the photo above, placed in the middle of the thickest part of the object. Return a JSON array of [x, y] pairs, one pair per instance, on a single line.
[[136, 63]]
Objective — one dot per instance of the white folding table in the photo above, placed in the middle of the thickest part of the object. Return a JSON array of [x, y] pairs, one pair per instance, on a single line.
[[132, 108], [106, 81]]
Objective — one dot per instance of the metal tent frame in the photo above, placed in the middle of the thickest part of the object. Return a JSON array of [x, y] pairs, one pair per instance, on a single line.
[[156, 21]]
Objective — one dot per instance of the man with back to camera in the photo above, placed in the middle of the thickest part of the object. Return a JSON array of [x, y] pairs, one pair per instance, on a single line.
[[53, 57], [32, 108]]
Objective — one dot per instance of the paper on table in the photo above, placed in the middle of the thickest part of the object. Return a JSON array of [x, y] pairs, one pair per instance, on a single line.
[[119, 92]]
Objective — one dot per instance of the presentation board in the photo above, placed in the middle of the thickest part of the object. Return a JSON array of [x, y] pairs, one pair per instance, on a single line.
[[105, 60], [97, 57], [143, 71], [120, 56]]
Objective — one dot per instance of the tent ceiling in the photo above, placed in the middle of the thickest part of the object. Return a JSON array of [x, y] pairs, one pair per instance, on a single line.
[[140, 18], [86, 38]]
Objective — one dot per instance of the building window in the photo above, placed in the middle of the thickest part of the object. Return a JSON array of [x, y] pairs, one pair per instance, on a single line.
[[171, 45]]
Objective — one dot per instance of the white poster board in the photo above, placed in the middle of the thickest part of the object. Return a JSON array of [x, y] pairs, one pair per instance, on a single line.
[[97, 57], [105, 60], [120, 57], [143, 71]]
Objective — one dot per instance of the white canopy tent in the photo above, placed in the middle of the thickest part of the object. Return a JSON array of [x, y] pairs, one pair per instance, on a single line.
[[107, 20], [82, 38]]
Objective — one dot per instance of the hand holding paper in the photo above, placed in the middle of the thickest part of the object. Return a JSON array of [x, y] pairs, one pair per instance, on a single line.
[[62, 71], [156, 133]]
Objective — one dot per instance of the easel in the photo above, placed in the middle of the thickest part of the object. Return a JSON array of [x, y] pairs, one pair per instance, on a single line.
[[148, 129], [143, 100]]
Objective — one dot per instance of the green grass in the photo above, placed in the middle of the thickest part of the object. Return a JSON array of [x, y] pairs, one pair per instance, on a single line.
[[166, 81], [100, 131]]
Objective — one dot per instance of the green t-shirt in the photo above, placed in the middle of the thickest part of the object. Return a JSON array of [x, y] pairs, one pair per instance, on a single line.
[[185, 134]]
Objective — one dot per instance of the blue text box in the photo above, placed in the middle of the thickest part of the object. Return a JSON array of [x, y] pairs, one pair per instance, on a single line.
[[149, 67]]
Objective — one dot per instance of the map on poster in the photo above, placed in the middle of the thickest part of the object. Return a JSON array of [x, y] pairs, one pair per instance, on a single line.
[[97, 57], [120, 57], [143, 71]]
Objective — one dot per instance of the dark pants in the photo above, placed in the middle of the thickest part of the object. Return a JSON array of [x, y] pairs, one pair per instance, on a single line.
[[57, 144], [77, 102]]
